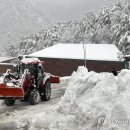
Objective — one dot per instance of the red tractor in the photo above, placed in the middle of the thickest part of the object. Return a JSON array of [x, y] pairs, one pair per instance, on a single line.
[[30, 84]]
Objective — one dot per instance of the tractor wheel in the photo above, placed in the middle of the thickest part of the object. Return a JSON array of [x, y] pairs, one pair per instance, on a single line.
[[34, 97], [9, 102], [47, 92]]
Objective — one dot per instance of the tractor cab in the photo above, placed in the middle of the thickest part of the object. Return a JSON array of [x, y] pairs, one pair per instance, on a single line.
[[34, 67]]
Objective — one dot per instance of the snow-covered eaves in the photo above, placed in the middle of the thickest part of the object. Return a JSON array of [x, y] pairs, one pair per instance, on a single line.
[[102, 52], [7, 64]]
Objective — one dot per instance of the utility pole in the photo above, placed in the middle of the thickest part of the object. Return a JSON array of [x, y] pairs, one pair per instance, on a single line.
[[84, 49]]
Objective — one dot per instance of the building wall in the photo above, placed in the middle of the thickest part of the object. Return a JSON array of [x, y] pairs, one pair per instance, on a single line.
[[4, 67], [65, 67], [7, 64]]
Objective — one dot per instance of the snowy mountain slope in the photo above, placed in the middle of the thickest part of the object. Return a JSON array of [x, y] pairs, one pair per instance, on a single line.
[[19, 18]]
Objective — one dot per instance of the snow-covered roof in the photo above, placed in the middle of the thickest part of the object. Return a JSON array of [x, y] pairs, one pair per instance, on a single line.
[[105, 52], [127, 56], [4, 58]]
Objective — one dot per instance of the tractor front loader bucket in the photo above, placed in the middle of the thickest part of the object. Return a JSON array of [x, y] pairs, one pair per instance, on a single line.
[[10, 92], [54, 79]]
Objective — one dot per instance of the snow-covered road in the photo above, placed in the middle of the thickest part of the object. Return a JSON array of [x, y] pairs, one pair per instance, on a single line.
[[19, 115]]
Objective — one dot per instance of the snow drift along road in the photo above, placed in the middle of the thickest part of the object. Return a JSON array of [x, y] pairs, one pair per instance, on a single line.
[[92, 101]]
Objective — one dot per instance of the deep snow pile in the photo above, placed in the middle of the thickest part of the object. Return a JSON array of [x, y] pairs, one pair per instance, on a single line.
[[92, 101], [96, 101]]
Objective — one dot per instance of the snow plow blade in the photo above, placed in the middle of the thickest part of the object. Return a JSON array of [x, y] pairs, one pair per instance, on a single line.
[[10, 92], [54, 79]]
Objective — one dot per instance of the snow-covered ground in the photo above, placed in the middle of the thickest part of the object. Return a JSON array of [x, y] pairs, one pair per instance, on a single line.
[[92, 101]]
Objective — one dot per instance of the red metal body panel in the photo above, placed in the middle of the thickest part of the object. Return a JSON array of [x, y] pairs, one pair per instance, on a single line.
[[6, 92], [26, 85]]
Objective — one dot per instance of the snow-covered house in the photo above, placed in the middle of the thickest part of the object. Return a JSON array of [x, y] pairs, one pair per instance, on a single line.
[[63, 59]]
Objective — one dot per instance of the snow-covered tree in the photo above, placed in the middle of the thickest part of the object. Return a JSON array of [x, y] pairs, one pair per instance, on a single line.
[[124, 43], [107, 26]]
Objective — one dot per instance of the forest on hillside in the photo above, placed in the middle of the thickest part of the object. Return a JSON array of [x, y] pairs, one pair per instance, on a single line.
[[108, 26]]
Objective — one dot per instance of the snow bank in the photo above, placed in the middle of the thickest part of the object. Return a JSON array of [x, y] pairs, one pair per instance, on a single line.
[[96, 101]]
